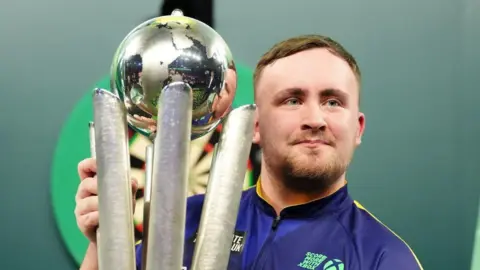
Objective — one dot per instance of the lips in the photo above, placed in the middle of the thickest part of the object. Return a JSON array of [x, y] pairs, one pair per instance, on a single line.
[[313, 143]]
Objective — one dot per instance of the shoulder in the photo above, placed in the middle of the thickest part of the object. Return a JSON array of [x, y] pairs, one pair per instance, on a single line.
[[387, 248]]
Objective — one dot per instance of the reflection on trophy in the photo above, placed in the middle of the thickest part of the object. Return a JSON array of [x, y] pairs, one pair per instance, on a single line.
[[173, 79]]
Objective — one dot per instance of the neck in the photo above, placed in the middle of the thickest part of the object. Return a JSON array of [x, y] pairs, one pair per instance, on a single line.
[[280, 197]]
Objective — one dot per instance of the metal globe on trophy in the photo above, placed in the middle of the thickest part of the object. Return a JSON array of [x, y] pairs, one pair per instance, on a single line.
[[173, 79]]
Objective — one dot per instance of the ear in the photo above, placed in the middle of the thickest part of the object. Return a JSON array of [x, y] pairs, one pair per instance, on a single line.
[[256, 130], [360, 128]]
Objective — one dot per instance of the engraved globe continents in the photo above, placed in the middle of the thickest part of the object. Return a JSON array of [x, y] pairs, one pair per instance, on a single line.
[[173, 49]]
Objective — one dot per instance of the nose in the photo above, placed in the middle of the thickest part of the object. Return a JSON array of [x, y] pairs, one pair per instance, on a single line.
[[313, 118]]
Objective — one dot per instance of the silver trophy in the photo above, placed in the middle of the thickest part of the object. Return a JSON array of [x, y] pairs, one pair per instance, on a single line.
[[173, 79]]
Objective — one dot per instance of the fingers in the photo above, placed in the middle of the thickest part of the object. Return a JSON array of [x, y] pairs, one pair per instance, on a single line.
[[87, 206], [87, 216], [88, 223], [87, 168], [86, 210], [87, 187]]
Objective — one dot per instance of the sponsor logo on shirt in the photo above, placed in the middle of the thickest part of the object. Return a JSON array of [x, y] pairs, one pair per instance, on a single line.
[[317, 261], [238, 241]]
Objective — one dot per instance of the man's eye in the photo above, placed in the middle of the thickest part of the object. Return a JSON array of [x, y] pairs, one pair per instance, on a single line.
[[292, 101], [333, 103]]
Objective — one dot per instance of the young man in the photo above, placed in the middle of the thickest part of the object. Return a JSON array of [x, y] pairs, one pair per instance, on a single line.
[[300, 215]]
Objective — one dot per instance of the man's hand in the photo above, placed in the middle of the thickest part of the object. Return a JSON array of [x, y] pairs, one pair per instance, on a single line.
[[86, 199]]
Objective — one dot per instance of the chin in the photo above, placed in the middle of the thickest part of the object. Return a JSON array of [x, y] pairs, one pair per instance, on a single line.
[[313, 158], [313, 155], [310, 164]]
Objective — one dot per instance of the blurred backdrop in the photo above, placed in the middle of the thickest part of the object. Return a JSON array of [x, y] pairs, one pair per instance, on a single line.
[[416, 168]]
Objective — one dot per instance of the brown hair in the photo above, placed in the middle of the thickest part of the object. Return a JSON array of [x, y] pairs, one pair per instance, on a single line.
[[302, 43]]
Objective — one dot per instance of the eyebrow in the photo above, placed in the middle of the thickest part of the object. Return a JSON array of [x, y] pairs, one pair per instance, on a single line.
[[333, 92], [299, 92], [295, 91]]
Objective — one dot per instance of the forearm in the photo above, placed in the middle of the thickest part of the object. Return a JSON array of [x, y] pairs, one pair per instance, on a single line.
[[90, 261]]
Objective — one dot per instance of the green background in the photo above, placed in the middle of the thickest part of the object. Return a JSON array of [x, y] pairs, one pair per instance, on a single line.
[[416, 169]]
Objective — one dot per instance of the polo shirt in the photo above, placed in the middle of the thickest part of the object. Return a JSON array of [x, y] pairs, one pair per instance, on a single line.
[[332, 233]]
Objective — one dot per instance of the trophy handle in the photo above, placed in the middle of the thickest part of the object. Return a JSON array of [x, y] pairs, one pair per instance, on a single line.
[[224, 190], [116, 243], [166, 223]]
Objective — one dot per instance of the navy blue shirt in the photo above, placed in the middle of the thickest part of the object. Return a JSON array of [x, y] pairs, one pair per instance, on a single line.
[[333, 233]]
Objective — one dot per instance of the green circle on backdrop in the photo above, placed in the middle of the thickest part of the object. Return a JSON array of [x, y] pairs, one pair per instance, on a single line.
[[73, 146]]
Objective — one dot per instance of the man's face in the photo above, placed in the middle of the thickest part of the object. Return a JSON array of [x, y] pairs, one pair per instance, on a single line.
[[308, 121]]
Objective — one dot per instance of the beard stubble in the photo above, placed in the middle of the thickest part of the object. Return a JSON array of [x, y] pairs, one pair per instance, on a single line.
[[309, 174]]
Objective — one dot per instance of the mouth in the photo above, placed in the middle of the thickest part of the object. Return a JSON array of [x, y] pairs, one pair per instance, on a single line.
[[312, 143]]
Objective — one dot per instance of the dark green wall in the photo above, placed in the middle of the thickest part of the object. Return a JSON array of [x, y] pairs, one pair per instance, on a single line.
[[415, 169]]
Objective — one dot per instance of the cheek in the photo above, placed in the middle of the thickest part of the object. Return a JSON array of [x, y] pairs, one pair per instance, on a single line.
[[342, 127], [274, 130]]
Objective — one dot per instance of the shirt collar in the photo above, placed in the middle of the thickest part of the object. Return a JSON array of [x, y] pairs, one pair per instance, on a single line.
[[332, 203]]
